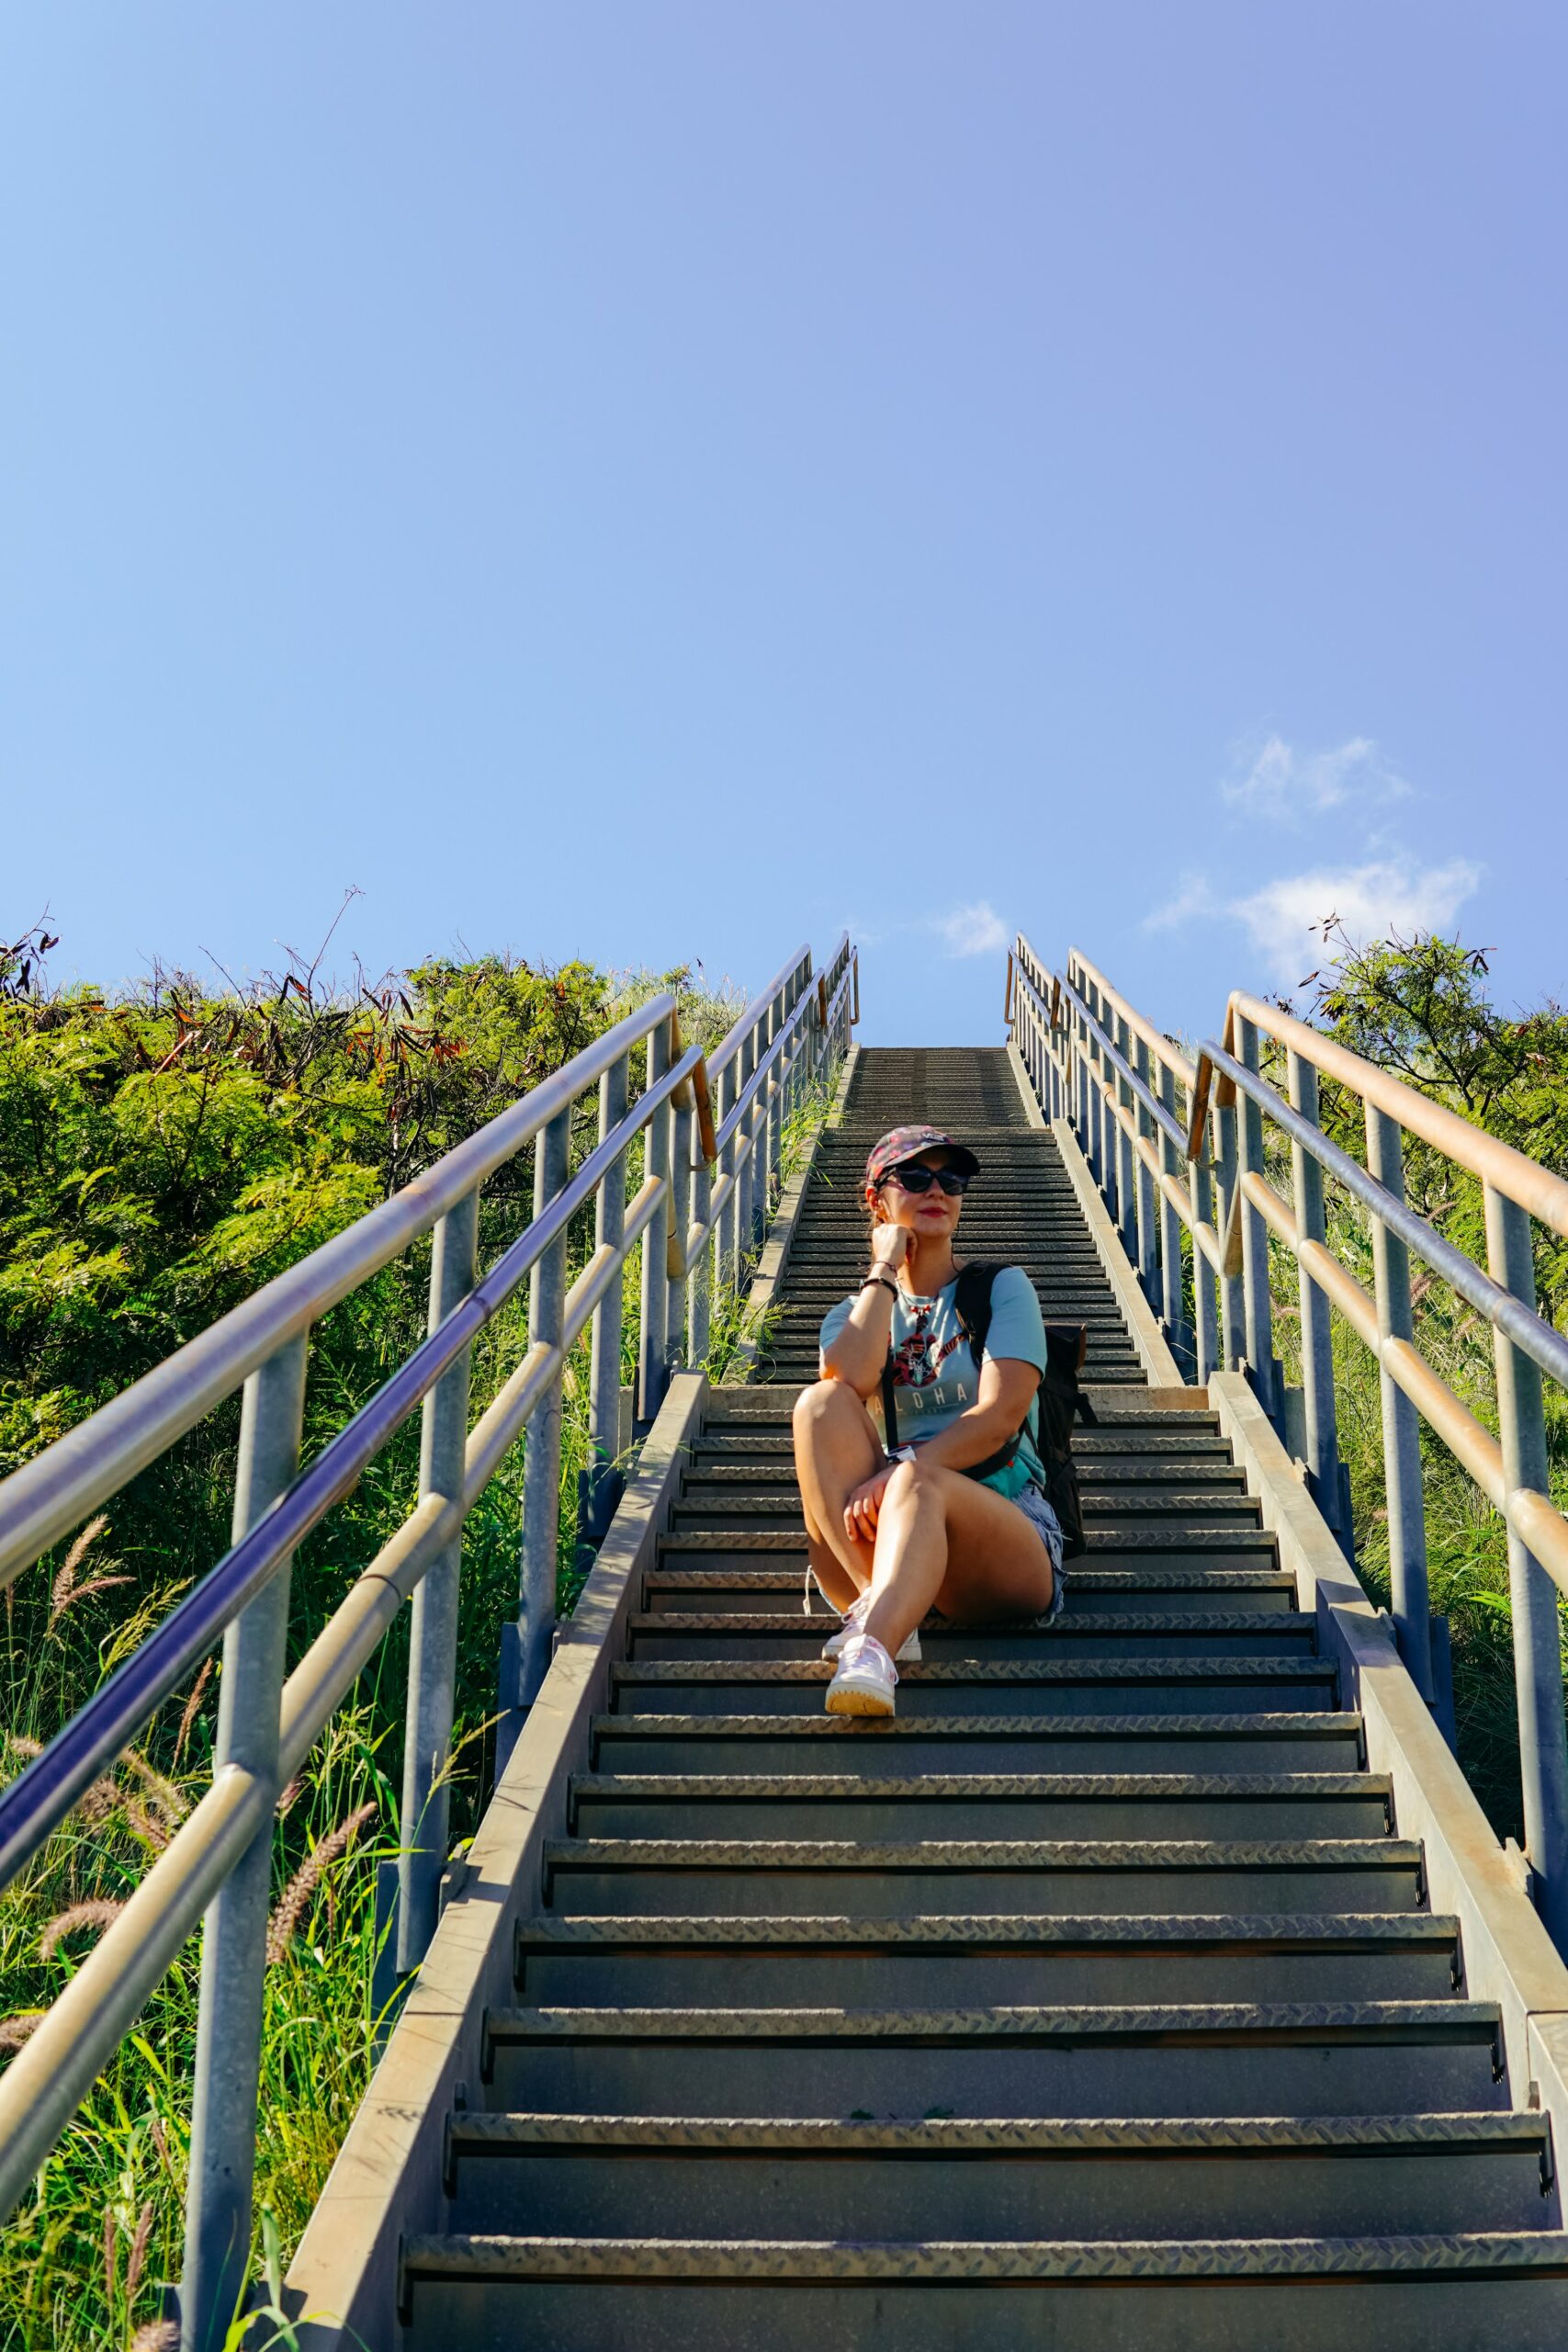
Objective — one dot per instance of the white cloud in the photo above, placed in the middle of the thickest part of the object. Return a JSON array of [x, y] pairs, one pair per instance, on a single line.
[[1285, 785], [1193, 896], [976, 930], [1386, 894]]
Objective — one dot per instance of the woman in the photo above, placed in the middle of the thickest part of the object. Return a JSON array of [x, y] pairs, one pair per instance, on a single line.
[[892, 1538]]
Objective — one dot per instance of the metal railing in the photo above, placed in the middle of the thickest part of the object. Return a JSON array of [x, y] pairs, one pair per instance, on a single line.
[[700, 1215], [1167, 1137]]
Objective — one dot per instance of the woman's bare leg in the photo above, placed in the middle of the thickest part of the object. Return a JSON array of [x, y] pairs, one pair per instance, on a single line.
[[945, 1541], [836, 1450]]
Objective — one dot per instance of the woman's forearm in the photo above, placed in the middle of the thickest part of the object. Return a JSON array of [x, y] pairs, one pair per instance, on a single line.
[[859, 1351], [980, 1430]]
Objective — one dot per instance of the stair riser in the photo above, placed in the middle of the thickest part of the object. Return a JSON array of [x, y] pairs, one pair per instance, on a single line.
[[900, 1748], [1204, 1695], [1102, 1515], [774, 1547], [1002, 1893], [1364, 2076], [1152, 1484], [909, 1817], [1458, 2316], [630, 2195], [743, 1598], [652, 1646], [959, 1979]]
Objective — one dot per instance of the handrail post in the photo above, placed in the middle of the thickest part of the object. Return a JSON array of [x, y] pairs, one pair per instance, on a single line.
[[1142, 1179], [1205, 1287], [1122, 1145], [1173, 1302], [1538, 1640], [746, 1188], [233, 1943], [605, 1342], [730, 1215], [655, 1242], [1317, 1338], [1410, 1608], [775, 1093], [682, 1122], [433, 1630], [1094, 1104], [701, 1273], [1081, 1080], [1254, 1241], [541, 1460], [1233, 1306]]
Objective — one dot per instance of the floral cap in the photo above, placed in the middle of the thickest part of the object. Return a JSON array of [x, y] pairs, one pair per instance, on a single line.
[[906, 1143]]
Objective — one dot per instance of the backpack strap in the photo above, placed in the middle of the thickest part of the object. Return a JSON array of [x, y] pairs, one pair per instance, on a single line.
[[889, 1405], [972, 1301]]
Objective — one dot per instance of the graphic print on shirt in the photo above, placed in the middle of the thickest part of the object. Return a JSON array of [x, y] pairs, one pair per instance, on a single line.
[[918, 1360]]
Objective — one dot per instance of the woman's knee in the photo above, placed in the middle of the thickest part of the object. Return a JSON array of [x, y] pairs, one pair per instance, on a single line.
[[919, 1483], [827, 1406]]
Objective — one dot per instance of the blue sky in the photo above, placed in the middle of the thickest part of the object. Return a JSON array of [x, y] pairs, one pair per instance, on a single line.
[[665, 480]]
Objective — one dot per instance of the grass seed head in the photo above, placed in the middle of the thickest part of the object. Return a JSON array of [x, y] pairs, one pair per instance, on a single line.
[[66, 1592], [66, 1923], [296, 1897]]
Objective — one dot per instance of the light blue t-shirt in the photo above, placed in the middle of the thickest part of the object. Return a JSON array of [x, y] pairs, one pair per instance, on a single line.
[[934, 1372]]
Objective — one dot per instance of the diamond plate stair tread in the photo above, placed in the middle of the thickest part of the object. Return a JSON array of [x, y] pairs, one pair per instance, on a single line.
[[1367, 1786], [1190, 2022], [1217, 1930], [833, 2135], [1261, 1546], [791, 2261], [927, 1855], [928, 1673], [1305, 1726], [795, 1621]]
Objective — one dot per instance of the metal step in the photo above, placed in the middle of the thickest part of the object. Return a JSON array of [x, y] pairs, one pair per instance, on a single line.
[[914, 1960], [867, 1878], [540, 2173], [944, 1960], [980, 1804], [1107, 1590], [974, 1741], [1197, 2059], [1023, 1686], [1078, 1633], [1468, 2293]]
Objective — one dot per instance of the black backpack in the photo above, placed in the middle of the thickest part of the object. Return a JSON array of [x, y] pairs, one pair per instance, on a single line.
[[1059, 1402]]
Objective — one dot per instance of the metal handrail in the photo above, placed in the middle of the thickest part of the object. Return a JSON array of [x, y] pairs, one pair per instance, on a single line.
[[1522, 1180], [39, 1800], [218, 1862], [1076, 1050]]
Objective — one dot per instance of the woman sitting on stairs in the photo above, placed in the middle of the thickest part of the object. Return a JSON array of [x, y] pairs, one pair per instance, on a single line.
[[891, 1537]]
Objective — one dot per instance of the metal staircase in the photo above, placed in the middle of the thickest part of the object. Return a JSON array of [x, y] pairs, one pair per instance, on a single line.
[[1096, 2000]]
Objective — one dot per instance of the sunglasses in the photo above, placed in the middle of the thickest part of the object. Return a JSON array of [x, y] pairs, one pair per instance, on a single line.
[[917, 1180]]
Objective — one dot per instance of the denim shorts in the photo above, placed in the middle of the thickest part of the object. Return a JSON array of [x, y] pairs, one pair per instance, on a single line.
[[1033, 1502]]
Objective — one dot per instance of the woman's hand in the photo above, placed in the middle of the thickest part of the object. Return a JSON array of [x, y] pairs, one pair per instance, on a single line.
[[890, 1246], [864, 1505]]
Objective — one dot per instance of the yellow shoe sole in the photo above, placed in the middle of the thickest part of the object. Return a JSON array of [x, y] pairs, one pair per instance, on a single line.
[[850, 1702]]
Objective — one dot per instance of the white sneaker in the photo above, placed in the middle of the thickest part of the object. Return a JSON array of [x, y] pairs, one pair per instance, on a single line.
[[854, 1623], [864, 1682]]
